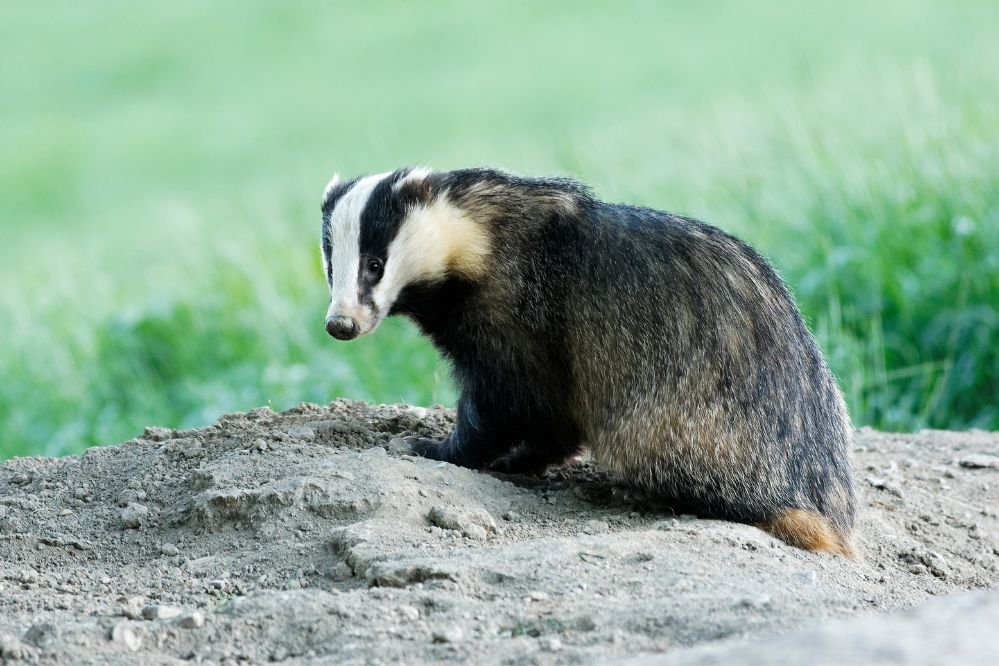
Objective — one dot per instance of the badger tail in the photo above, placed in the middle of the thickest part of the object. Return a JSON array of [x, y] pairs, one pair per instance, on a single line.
[[809, 530]]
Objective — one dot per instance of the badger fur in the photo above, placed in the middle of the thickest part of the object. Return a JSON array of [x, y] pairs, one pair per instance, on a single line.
[[668, 347]]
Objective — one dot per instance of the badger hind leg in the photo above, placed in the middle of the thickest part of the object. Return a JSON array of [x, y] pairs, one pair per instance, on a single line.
[[809, 530]]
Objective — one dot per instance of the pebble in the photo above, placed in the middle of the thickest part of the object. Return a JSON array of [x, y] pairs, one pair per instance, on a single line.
[[920, 561], [449, 635], [885, 484], [451, 518], [20, 479], [759, 602], [42, 635], [475, 532], [418, 412], [27, 576], [134, 515], [596, 527], [979, 461], [169, 549], [158, 612], [66, 512], [408, 612], [80, 492], [192, 620], [511, 516], [125, 634], [551, 644], [131, 607], [157, 434]]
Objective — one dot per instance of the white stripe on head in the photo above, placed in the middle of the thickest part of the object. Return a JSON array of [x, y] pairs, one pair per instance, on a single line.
[[345, 241]]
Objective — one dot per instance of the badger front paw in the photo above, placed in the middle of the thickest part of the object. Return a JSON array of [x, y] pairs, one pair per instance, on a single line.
[[426, 448]]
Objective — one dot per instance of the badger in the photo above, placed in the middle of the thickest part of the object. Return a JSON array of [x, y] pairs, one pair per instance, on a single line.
[[669, 348]]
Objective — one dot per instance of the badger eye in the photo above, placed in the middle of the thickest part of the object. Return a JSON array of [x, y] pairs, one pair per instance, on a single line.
[[375, 267]]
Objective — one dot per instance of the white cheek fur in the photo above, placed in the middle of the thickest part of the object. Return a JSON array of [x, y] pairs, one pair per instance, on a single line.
[[435, 240]]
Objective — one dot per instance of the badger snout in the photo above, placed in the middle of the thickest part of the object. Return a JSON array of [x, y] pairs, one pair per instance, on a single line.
[[342, 328]]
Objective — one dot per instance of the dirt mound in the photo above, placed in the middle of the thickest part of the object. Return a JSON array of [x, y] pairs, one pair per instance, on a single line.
[[312, 535]]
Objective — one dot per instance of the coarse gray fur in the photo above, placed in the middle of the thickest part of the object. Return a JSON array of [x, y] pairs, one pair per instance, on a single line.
[[670, 348]]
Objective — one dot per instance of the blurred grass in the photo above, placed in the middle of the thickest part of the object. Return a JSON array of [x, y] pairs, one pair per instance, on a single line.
[[163, 164]]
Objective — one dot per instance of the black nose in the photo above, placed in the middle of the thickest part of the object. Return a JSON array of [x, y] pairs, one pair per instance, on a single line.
[[342, 328]]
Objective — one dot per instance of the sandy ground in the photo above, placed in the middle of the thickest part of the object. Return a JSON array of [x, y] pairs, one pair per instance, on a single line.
[[311, 536]]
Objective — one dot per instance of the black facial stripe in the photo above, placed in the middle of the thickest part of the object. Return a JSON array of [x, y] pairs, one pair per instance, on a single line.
[[381, 218], [327, 249]]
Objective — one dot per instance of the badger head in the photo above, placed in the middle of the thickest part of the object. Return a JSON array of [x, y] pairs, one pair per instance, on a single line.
[[384, 233]]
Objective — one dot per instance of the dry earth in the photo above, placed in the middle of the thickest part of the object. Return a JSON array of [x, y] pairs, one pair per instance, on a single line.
[[310, 536]]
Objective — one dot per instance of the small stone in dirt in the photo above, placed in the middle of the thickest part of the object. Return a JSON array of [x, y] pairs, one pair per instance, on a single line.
[[158, 612], [410, 613], [126, 634], [418, 412], [475, 532], [189, 447], [451, 518], [41, 635], [191, 620], [448, 635], [131, 607], [134, 515], [931, 561], [884, 484], [759, 602], [551, 644], [20, 479], [169, 549], [511, 516], [157, 434], [596, 527], [979, 461], [341, 571], [27, 576]]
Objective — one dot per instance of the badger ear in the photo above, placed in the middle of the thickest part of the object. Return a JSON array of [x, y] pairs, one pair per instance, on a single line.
[[415, 186], [334, 181]]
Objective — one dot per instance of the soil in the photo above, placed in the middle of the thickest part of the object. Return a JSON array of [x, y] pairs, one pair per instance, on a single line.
[[312, 536]]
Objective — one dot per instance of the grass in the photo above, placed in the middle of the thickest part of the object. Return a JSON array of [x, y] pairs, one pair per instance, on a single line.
[[159, 200]]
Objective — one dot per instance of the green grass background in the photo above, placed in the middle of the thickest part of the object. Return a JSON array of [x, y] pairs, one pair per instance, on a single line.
[[162, 167]]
